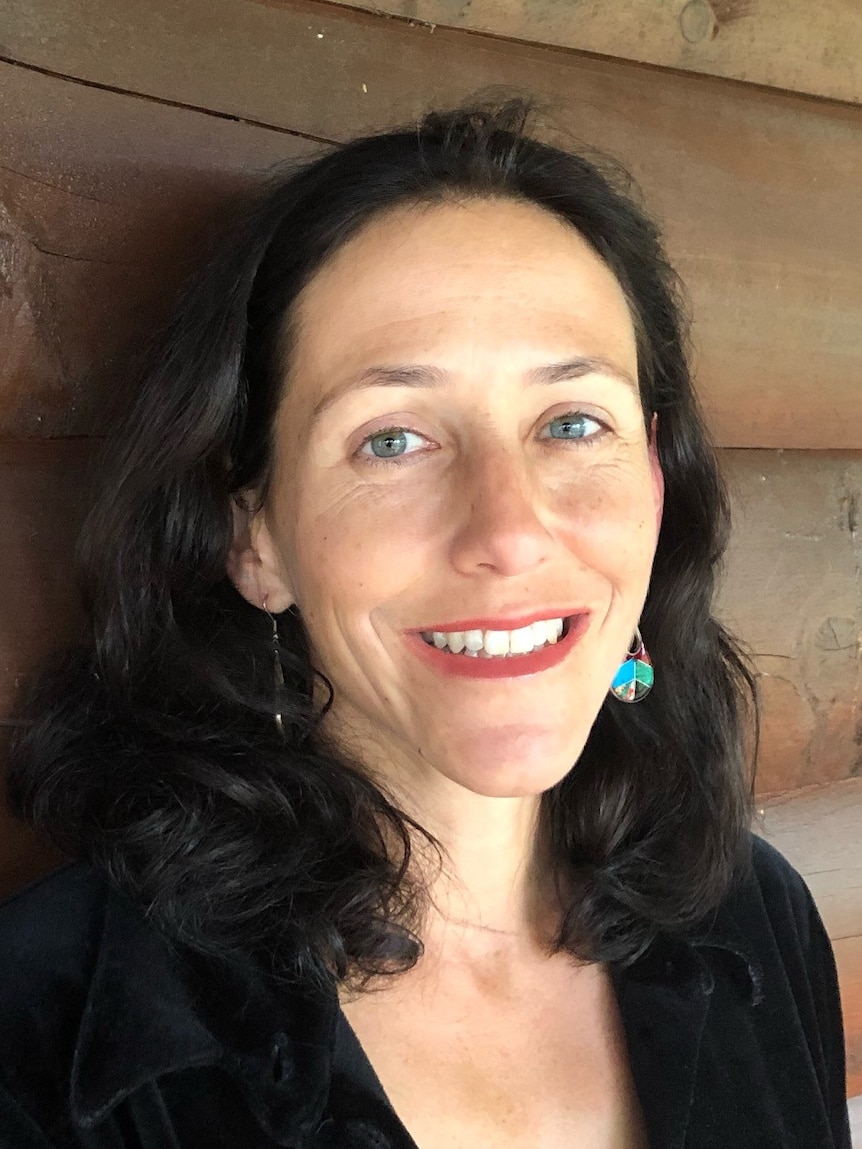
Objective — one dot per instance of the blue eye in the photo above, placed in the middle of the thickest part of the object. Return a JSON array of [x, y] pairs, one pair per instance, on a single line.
[[574, 427], [395, 444], [389, 444]]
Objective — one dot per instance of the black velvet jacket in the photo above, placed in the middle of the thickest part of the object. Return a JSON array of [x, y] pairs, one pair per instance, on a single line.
[[109, 1040]]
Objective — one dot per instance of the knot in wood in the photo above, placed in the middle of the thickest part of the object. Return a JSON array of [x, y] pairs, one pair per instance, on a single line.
[[697, 21]]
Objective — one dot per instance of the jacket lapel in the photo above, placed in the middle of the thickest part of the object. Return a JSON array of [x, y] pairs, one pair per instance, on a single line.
[[137, 1023], [664, 1000], [143, 1019]]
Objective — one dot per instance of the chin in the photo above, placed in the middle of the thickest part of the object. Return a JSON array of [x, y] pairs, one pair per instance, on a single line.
[[510, 783], [513, 763]]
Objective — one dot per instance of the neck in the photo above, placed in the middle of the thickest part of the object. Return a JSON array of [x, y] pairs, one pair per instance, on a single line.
[[489, 894], [489, 897]]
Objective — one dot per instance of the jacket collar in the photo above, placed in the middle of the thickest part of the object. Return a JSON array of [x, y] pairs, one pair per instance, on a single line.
[[725, 933], [143, 1019]]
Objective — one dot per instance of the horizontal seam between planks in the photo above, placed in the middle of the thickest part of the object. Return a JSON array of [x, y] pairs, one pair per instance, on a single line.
[[102, 87]]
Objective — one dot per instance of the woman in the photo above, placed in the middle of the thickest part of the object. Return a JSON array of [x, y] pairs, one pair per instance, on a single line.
[[387, 835]]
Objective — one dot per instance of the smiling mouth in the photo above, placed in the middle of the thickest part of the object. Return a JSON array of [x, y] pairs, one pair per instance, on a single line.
[[500, 644]]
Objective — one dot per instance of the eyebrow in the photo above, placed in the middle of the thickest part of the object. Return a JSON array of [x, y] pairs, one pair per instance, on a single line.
[[425, 375]]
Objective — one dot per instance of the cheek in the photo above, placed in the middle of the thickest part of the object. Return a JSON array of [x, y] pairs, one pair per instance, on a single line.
[[608, 516], [360, 545]]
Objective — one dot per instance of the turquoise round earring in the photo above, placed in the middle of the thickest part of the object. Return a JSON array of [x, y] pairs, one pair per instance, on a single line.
[[635, 677]]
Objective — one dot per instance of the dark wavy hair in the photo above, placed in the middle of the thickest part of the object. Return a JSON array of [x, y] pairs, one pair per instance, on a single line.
[[152, 751]]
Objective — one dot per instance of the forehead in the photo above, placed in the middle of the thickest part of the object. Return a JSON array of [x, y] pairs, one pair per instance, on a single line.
[[436, 280]]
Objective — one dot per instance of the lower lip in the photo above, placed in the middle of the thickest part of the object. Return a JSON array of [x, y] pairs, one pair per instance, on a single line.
[[515, 666]]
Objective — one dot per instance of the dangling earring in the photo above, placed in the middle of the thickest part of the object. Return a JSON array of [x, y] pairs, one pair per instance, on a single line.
[[279, 672], [635, 677]]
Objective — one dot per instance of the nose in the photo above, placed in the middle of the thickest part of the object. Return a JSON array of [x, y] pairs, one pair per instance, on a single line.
[[500, 525]]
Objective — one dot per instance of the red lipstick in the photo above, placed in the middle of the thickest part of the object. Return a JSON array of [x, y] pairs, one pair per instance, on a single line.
[[511, 666]]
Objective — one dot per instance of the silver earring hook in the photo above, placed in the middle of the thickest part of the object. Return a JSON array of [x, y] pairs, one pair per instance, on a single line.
[[278, 668]]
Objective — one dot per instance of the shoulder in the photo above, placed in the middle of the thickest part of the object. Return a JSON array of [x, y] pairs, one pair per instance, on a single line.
[[769, 905], [800, 940], [770, 920], [97, 1005], [792, 965], [93, 1001], [49, 935], [776, 894], [773, 872]]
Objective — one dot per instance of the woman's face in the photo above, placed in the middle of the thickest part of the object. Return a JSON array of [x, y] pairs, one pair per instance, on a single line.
[[461, 448]]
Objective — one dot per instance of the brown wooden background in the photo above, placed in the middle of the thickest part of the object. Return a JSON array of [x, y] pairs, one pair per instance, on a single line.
[[127, 125]]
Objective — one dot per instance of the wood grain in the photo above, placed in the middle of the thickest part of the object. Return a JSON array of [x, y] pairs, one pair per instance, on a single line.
[[757, 190], [820, 832], [42, 487], [791, 44], [107, 202], [793, 592], [42, 501]]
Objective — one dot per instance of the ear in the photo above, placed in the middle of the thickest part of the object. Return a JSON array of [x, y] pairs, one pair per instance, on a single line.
[[656, 472], [253, 564]]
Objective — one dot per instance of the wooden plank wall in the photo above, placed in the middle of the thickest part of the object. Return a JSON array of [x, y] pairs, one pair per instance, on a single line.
[[128, 128], [788, 44]]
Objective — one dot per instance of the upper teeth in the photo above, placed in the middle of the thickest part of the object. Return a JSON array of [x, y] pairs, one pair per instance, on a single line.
[[497, 642]]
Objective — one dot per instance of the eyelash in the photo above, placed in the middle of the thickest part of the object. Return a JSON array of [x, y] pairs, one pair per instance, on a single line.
[[400, 460]]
